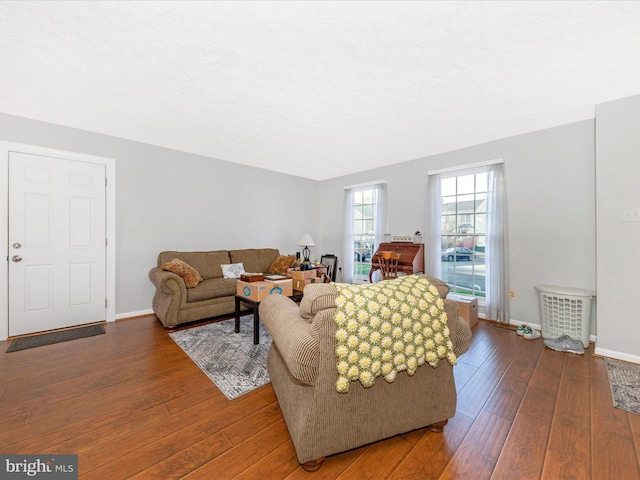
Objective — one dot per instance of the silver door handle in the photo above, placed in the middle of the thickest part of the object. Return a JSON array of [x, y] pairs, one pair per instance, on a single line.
[[16, 258]]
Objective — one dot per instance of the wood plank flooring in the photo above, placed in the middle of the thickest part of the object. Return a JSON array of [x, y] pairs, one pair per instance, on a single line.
[[133, 405]]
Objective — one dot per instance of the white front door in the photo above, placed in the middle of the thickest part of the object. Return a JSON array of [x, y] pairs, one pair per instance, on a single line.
[[57, 255]]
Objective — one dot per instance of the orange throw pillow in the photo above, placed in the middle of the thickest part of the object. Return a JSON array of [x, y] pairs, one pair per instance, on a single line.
[[189, 274], [281, 264]]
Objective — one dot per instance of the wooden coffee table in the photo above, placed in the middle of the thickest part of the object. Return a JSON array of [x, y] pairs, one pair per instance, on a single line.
[[255, 305]]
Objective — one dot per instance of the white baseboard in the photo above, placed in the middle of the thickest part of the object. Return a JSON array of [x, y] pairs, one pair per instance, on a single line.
[[617, 355], [139, 313]]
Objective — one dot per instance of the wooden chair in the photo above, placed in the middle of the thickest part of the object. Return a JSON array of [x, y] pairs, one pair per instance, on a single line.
[[388, 264]]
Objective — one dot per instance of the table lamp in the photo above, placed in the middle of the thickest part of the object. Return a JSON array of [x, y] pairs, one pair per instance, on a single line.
[[306, 241]]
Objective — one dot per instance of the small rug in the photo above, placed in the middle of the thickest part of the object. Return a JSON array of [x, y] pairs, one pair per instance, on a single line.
[[624, 379], [32, 341], [229, 359]]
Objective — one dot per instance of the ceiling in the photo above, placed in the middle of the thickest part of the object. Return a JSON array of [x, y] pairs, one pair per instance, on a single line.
[[315, 89]]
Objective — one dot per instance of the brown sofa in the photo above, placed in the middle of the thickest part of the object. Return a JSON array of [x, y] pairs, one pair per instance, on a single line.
[[302, 367], [175, 304]]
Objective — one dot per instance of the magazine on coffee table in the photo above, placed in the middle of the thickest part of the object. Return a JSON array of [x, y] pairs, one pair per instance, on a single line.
[[275, 278]]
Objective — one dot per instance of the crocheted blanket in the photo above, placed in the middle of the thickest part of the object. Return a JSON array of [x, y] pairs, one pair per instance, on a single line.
[[388, 327]]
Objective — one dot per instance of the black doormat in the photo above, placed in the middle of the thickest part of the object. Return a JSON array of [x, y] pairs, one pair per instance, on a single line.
[[23, 343]]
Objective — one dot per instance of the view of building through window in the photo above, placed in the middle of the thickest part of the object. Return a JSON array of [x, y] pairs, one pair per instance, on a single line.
[[463, 211], [363, 233]]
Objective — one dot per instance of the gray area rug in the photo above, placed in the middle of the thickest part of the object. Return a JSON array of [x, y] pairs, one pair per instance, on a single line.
[[229, 359], [23, 343], [624, 379]]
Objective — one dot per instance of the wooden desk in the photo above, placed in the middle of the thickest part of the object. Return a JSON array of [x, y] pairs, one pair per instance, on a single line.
[[411, 257]]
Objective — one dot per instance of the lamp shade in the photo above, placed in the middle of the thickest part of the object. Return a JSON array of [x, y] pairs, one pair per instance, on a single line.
[[306, 241]]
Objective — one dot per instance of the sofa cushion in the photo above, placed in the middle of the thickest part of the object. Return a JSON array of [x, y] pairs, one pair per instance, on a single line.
[[212, 288], [281, 264], [206, 263], [317, 297], [255, 260], [189, 274]]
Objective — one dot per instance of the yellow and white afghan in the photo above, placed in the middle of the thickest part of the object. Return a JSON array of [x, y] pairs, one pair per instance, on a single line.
[[388, 327]]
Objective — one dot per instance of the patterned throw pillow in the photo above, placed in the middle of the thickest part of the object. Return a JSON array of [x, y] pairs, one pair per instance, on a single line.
[[189, 274], [232, 270], [281, 264]]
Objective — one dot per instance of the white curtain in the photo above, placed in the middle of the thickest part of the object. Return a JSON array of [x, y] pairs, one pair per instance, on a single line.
[[379, 214], [432, 240], [347, 239], [497, 269], [380, 224]]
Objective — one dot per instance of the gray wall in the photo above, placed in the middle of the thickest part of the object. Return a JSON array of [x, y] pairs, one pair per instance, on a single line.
[[175, 200], [618, 188], [171, 200], [550, 176]]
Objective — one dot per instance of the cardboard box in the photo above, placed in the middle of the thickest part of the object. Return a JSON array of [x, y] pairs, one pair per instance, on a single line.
[[286, 285], [468, 308], [302, 274], [300, 283], [258, 291]]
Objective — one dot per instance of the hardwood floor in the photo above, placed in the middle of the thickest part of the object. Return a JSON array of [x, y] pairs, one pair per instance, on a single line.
[[133, 405]]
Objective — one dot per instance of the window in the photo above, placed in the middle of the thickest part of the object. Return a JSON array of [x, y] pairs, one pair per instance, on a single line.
[[364, 226], [363, 233], [466, 235], [463, 214]]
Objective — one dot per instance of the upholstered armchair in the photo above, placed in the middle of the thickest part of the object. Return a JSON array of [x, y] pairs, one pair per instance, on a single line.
[[302, 366]]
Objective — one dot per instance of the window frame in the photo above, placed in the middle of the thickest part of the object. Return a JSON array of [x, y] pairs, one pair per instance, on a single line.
[[496, 302], [364, 226], [364, 203], [469, 208]]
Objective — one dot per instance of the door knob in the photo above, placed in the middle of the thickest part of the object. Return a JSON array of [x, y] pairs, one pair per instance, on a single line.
[[16, 258], [16, 245]]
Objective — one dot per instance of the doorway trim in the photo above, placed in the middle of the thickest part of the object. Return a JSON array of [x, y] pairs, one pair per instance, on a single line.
[[110, 216]]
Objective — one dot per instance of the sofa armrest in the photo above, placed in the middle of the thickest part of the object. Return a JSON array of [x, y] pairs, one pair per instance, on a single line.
[[461, 337], [169, 284], [459, 330], [293, 335]]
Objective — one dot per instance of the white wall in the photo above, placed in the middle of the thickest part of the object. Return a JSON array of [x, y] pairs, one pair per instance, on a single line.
[[170, 200], [618, 256], [551, 206]]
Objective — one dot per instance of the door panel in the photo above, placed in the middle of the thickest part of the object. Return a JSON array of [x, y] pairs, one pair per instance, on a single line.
[[39, 292], [37, 225], [80, 277], [56, 243]]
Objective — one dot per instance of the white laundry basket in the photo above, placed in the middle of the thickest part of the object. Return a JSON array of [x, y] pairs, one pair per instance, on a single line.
[[565, 311]]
